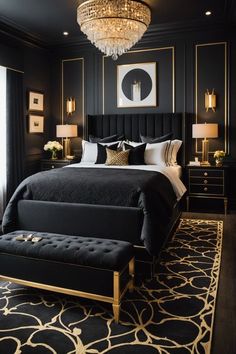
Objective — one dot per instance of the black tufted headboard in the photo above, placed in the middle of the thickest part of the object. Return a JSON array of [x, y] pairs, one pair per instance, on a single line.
[[132, 125]]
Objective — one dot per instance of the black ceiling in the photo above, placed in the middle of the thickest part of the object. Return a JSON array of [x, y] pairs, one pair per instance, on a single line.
[[45, 20]]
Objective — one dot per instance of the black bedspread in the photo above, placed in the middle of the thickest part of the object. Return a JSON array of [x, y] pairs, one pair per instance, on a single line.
[[148, 190]]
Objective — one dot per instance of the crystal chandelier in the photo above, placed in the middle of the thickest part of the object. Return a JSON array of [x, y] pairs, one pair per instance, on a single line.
[[113, 26]]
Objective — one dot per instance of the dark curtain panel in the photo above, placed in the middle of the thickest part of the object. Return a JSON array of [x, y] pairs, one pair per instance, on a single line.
[[15, 131]]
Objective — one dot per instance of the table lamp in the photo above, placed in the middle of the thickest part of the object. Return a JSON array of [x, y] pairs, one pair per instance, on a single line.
[[66, 132], [207, 130]]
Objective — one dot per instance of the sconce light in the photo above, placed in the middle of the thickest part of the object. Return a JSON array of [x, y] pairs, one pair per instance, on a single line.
[[70, 106], [205, 131], [210, 101]]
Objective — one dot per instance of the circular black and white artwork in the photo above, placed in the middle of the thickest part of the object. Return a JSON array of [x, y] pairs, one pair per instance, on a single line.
[[136, 85]]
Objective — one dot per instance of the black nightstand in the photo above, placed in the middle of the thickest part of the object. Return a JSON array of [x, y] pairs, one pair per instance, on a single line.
[[48, 164], [207, 182]]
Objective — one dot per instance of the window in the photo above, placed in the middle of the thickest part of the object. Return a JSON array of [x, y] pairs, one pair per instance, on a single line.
[[2, 139]]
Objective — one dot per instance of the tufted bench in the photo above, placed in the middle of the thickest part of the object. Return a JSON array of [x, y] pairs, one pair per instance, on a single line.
[[98, 269]]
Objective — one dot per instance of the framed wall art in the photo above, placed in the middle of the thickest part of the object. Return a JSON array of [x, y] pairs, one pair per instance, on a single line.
[[36, 101], [136, 85], [36, 124]]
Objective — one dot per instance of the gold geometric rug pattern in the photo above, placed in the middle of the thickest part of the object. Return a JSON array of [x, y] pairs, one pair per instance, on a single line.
[[171, 314]]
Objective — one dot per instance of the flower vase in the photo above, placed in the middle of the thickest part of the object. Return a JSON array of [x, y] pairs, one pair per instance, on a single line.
[[54, 155], [219, 161]]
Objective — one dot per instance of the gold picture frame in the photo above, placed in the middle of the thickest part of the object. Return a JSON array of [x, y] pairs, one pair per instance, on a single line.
[[36, 124], [36, 101]]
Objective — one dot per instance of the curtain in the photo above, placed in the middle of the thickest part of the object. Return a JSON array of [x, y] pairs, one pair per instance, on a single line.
[[15, 131], [3, 175]]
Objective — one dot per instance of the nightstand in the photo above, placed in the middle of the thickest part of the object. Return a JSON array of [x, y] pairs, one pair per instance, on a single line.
[[48, 164], [207, 182]]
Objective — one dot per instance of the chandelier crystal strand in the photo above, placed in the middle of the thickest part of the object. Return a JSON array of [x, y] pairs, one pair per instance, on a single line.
[[113, 26]]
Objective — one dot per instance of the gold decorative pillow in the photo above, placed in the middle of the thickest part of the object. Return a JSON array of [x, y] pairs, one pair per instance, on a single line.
[[117, 158]]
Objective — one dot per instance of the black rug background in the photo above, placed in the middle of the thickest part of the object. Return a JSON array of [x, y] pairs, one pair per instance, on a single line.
[[172, 314]]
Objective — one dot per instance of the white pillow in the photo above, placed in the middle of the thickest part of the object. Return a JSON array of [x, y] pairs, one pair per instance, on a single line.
[[173, 151], [155, 154], [90, 150]]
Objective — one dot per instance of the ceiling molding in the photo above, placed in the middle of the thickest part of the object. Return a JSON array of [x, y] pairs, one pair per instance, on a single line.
[[19, 34], [155, 32]]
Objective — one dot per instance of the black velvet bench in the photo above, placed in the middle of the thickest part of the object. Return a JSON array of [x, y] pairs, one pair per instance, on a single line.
[[93, 268]]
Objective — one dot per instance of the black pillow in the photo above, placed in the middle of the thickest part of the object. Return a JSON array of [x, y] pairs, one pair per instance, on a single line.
[[102, 154], [160, 139], [107, 139], [136, 155]]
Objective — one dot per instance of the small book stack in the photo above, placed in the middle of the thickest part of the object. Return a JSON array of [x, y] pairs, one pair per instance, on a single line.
[[194, 163]]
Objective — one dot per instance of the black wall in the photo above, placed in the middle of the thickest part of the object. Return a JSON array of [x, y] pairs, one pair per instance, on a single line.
[[83, 72], [192, 61]]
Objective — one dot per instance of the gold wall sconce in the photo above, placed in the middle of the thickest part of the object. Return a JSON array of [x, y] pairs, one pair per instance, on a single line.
[[70, 106], [210, 100]]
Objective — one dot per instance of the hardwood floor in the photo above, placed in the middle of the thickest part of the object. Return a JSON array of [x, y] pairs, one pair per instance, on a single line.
[[224, 335]]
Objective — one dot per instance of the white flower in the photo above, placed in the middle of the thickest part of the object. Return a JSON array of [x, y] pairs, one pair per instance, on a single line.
[[53, 145]]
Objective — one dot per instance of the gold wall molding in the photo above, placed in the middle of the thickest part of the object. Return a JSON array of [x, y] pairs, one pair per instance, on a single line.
[[62, 90], [171, 48], [226, 95]]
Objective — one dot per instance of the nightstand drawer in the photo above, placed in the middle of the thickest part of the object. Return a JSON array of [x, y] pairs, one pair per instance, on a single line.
[[209, 183], [207, 180], [206, 173], [206, 189], [51, 165]]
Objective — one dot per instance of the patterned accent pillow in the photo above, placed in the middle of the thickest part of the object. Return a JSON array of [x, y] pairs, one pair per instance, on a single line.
[[102, 154], [117, 158]]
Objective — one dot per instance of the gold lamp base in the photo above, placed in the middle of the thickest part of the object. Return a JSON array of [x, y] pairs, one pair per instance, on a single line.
[[66, 147], [205, 152]]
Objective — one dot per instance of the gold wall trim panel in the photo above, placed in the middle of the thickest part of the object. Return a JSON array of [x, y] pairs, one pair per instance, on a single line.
[[226, 97], [172, 49], [83, 90]]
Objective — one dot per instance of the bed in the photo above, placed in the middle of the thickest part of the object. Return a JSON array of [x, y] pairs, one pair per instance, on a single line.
[[94, 200]]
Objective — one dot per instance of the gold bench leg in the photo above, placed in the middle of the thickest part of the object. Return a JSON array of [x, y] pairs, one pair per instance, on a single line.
[[116, 312], [116, 290]]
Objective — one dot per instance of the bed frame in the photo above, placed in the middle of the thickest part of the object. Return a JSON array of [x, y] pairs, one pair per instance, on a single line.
[[122, 223]]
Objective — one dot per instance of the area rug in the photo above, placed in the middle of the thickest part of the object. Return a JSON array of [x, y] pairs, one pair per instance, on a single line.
[[171, 314]]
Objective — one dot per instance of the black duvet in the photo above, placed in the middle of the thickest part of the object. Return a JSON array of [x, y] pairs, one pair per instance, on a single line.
[[151, 191]]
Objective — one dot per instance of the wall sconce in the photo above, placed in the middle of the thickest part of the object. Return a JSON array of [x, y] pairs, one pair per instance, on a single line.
[[70, 106], [210, 101], [66, 132], [205, 131]]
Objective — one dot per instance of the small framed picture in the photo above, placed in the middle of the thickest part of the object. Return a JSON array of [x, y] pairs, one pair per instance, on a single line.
[[36, 101], [136, 85], [36, 124]]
